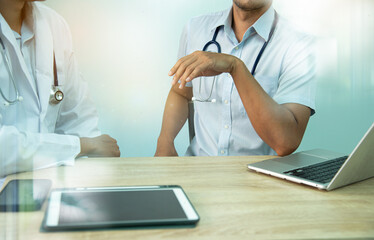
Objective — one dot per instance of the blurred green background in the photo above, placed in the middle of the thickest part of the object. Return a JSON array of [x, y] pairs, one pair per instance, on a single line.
[[125, 49]]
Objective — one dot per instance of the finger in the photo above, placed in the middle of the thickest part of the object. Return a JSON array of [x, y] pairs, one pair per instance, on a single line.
[[182, 68], [186, 73], [174, 69], [182, 83], [197, 72], [184, 63], [117, 153], [177, 64], [191, 68]]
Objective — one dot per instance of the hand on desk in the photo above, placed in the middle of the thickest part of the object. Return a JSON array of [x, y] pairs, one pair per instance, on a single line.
[[101, 146]]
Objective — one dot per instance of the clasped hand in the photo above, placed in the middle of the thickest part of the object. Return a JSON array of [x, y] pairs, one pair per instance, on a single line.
[[199, 64], [101, 146]]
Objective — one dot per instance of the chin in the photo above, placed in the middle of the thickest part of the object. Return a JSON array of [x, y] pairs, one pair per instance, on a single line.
[[250, 5]]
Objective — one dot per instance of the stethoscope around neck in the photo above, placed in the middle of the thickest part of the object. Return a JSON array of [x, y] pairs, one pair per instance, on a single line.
[[214, 42], [56, 94], [18, 97]]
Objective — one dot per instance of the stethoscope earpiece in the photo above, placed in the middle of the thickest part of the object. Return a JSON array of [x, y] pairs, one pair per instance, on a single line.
[[18, 99], [194, 99]]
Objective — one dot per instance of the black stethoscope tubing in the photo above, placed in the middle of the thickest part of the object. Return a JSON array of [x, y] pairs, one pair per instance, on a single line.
[[214, 42]]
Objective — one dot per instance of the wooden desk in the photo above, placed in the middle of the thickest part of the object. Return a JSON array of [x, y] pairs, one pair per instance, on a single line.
[[233, 202]]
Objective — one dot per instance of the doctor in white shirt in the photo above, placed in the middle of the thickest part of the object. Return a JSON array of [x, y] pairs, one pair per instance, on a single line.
[[46, 116], [253, 88]]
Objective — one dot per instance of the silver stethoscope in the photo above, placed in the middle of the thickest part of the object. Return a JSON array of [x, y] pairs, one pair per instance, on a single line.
[[56, 94], [214, 42]]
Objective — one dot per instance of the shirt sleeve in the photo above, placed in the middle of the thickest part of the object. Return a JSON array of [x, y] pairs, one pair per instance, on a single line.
[[183, 46], [25, 151], [297, 79]]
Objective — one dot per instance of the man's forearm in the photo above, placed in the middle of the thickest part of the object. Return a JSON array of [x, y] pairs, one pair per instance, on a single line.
[[280, 126], [175, 116]]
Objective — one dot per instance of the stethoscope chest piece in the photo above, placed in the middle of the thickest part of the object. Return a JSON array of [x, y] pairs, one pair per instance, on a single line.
[[56, 95]]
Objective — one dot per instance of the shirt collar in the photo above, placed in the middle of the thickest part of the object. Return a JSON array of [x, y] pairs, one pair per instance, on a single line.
[[224, 20], [264, 23], [262, 26], [27, 29]]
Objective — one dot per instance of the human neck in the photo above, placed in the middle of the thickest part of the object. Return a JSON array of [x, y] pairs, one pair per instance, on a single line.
[[12, 13], [243, 19]]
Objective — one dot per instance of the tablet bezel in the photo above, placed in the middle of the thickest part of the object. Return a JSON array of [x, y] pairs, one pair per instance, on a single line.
[[15, 192], [51, 217]]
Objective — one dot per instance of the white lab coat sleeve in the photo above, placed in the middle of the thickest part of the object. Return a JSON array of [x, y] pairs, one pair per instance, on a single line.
[[78, 115], [24, 151]]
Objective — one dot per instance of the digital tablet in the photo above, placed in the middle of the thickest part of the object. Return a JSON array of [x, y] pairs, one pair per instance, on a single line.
[[88, 208], [24, 195]]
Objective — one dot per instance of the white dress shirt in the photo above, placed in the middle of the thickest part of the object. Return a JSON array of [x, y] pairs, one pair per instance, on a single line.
[[286, 72]]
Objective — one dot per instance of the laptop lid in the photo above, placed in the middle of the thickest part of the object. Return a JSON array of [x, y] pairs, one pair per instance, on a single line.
[[359, 165]]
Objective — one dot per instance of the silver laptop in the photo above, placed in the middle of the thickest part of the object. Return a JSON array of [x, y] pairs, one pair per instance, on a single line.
[[322, 168]]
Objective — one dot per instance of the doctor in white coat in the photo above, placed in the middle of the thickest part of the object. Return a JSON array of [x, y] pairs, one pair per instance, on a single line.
[[36, 129]]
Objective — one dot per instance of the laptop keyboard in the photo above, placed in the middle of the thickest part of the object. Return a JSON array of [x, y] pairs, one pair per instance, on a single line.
[[320, 172]]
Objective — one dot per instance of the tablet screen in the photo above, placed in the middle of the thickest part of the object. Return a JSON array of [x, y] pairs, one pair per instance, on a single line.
[[106, 207], [77, 207], [23, 195]]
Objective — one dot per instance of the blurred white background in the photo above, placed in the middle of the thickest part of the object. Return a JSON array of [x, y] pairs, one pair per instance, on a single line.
[[125, 48]]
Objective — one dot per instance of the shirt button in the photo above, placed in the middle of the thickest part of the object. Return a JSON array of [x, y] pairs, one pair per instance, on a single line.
[[236, 48], [226, 126], [222, 151], [226, 101]]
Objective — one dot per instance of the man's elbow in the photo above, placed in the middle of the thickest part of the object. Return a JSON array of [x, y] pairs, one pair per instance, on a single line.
[[286, 147]]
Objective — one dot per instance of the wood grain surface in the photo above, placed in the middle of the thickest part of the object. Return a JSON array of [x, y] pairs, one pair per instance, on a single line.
[[232, 201]]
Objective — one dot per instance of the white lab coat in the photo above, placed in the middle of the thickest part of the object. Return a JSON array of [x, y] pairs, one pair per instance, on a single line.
[[33, 133]]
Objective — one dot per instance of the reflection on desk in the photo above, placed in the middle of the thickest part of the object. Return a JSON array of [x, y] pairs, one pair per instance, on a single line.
[[233, 202]]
